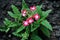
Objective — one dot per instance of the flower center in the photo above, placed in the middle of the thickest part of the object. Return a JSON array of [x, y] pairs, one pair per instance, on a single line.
[[36, 16], [26, 23], [33, 8], [30, 20]]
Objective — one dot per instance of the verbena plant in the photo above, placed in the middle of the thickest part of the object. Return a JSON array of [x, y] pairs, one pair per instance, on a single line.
[[27, 22]]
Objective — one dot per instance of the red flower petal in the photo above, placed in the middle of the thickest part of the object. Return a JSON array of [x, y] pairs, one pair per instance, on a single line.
[[23, 14], [36, 16], [23, 11], [33, 8], [30, 20], [25, 23]]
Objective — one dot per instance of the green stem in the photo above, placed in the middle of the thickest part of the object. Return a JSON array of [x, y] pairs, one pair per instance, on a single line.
[[15, 20], [22, 39], [31, 27], [18, 19]]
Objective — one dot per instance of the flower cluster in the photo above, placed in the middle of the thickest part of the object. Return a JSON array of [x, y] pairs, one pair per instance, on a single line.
[[31, 19]]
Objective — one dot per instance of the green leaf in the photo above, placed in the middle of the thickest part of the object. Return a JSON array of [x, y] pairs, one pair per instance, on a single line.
[[7, 22], [20, 29], [3, 28], [12, 15], [38, 10], [23, 39], [45, 31], [46, 24], [15, 9], [35, 37], [27, 29], [24, 5], [16, 34], [13, 25], [25, 35], [16, 12], [7, 29], [46, 13], [34, 26]]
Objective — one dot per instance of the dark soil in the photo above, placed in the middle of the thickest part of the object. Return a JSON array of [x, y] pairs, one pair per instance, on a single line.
[[54, 17]]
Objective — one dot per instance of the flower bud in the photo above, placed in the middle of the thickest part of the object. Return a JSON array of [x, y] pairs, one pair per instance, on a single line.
[[36, 16], [25, 23], [33, 8]]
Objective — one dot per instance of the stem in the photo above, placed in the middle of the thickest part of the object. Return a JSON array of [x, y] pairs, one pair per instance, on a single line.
[[28, 15], [31, 27], [18, 19], [15, 19]]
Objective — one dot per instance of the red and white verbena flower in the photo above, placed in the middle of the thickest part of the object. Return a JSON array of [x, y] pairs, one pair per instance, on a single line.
[[36, 16], [30, 20], [25, 23], [33, 8], [24, 12]]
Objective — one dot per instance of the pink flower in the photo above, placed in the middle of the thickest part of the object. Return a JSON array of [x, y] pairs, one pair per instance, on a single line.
[[30, 20], [23, 14], [25, 23], [33, 8], [36, 16], [23, 11]]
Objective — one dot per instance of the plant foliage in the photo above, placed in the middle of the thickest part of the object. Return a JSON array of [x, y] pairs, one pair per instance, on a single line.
[[24, 31]]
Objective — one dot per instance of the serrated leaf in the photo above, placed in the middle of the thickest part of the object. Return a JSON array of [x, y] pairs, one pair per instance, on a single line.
[[46, 24], [16, 12], [15, 9], [38, 10], [46, 13], [7, 22], [24, 5], [20, 29], [3, 28], [12, 15], [16, 34], [12, 25], [35, 37], [45, 31]]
